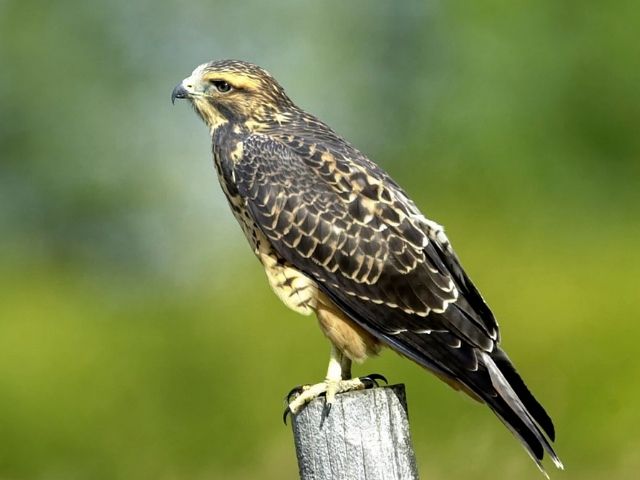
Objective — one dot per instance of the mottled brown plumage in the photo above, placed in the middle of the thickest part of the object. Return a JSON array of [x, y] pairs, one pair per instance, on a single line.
[[339, 238]]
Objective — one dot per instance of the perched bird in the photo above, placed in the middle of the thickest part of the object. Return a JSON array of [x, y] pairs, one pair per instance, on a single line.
[[339, 238]]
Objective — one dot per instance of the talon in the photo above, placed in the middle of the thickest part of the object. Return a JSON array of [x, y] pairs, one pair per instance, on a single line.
[[368, 382], [297, 390], [378, 376], [371, 380], [287, 412]]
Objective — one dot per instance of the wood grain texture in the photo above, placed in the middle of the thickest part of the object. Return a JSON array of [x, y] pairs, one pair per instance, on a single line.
[[365, 436]]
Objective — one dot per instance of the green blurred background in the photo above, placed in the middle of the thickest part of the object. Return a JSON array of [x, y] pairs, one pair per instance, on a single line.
[[138, 336]]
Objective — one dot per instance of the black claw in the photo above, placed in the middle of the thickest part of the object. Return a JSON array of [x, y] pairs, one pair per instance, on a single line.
[[287, 412], [371, 380], [378, 376], [289, 397], [368, 382], [295, 390]]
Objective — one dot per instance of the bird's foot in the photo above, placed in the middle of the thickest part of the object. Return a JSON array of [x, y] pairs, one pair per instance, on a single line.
[[301, 395]]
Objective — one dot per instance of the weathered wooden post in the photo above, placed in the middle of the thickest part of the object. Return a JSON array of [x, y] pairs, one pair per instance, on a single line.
[[365, 436]]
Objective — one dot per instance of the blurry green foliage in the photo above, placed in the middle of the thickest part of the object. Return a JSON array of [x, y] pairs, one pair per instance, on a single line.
[[138, 338]]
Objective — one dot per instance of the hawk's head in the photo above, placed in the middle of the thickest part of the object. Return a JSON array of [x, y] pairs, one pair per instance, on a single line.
[[233, 91]]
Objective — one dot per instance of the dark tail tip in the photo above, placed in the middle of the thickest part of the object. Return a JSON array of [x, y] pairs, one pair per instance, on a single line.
[[532, 405]]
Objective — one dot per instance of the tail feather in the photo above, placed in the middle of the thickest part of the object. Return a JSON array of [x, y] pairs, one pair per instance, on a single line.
[[532, 405], [531, 445], [517, 417], [497, 384]]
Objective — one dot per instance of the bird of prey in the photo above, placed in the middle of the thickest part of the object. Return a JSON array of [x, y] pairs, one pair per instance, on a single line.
[[338, 237]]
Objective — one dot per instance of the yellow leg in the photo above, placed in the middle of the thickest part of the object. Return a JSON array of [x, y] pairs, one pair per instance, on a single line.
[[336, 381]]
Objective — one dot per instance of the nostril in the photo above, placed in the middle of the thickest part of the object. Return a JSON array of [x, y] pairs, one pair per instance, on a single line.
[[188, 85]]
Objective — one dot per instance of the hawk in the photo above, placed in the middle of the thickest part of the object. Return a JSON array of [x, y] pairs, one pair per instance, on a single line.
[[339, 238]]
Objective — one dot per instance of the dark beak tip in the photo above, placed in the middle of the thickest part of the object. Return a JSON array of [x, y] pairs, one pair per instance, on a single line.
[[178, 92]]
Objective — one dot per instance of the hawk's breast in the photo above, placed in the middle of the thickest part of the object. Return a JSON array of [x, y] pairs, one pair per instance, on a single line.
[[296, 290]]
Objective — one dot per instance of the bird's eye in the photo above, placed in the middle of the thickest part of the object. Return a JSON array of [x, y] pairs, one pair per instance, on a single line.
[[221, 85]]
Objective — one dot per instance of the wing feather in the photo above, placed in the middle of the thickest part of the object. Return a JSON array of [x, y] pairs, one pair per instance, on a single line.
[[356, 233]]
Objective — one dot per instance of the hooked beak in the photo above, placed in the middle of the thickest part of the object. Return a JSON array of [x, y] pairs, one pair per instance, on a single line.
[[179, 92]]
